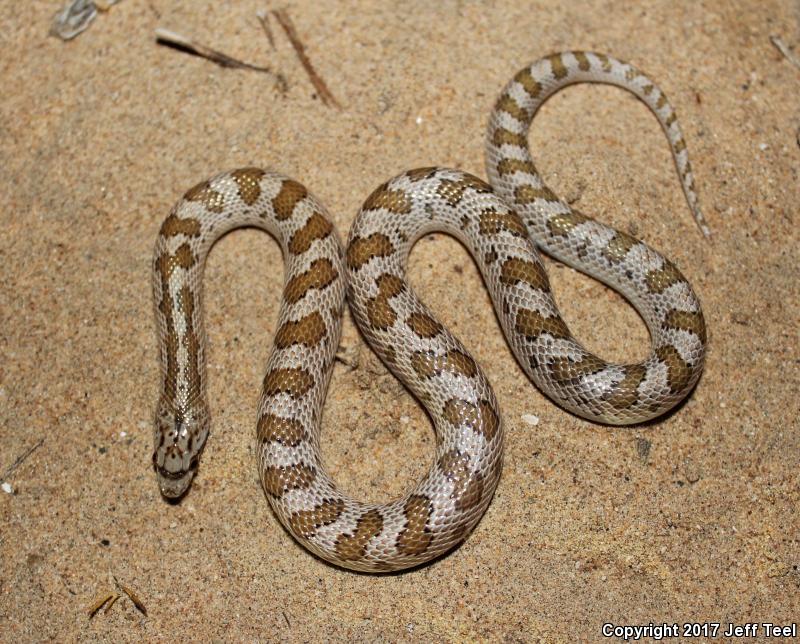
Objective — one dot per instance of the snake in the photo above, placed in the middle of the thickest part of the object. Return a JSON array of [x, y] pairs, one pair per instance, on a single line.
[[503, 224]]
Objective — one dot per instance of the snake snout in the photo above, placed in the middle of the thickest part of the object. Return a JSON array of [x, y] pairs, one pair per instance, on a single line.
[[176, 469], [176, 452]]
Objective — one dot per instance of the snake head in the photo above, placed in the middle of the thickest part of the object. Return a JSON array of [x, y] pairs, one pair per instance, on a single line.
[[178, 438]]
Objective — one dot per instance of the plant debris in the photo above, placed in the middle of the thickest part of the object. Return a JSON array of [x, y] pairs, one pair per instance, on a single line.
[[788, 54], [181, 43], [322, 89], [133, 597], [263, 18], [99, 602], [20, 459], [76, 16]]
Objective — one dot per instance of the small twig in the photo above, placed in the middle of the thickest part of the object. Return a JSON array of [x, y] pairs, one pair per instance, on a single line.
[[20, 459], [98, 603], [324, 93], [283, 612], [171, 39], [132, 595], [263, 18], [788, 54], [112, 602]]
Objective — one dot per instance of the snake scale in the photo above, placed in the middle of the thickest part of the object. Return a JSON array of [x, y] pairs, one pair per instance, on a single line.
[[501, 224]]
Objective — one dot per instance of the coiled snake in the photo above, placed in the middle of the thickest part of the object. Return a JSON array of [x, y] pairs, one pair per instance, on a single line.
[[497, 226]]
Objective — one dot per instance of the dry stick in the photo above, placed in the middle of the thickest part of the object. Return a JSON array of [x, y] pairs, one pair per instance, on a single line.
[[787, 53], [112, 602], [170, 38], [98, 603], [132, 596], [20, 459], [324, 93], [263, 18]]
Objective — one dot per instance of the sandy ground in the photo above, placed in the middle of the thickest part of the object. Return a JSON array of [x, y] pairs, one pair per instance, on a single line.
[[692, 518]]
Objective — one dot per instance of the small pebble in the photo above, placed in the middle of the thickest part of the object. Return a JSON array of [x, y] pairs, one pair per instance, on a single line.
[[123, 434], [530, 419], [7, 487]]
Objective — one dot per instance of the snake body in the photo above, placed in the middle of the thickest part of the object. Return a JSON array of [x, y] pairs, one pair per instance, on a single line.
[[501, 229]]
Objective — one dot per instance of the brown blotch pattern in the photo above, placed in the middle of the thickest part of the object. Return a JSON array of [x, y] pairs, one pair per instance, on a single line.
[[290, 194], [308, 330], [528, 194], [453, 191], [492, 222], [618, 246], [317, 227], [249, 182], [566, 369], [293, 381], [678, 372], [528, 82], [508, 105], [423, 325], [354, 546], [471, 493], [467, 487], [204, 194], [416, 537], [307, 522], [626, 392], [583, 61], [693, 322], [661, 279], [395, 201], [481, 417], [165, 265], [427, 364], [661, 102], [517, 270], [186, 303], [363, 249], [454, 465], [278, 481], [563, 223], [503, 136], [274, 429], [631, 73], [510, 166], [604, 62], [557, 65], [320, 274], [420, 173], [174, 226], [381, 315], [532, 324]]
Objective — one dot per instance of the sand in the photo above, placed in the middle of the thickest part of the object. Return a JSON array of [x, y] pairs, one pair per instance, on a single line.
[[689, 519]]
